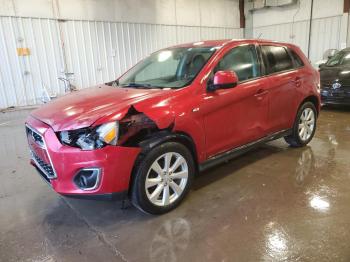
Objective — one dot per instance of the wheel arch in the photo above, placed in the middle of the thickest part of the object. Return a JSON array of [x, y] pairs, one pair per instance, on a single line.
[[313, 99], [159, 138]]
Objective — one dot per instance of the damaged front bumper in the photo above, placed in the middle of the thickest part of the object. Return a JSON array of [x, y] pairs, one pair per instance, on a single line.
[[102, 173]]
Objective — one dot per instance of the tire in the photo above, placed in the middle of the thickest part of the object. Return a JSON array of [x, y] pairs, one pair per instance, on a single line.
[[306, 121], [160, 183]]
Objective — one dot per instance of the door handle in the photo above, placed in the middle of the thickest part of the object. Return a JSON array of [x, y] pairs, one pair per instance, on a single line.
[[261, 92], [297, 81]]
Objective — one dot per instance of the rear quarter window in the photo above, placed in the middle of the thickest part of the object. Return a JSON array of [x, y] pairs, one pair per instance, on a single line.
[[297, 60], [276, 59]]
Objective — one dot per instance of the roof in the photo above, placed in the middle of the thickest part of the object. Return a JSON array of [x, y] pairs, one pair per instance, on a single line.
[[223, 42]]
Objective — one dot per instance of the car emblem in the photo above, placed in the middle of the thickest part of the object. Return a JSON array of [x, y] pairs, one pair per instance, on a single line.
[[336, 85]]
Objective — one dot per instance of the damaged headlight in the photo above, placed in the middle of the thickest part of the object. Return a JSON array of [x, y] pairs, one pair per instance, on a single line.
[[91, 138]]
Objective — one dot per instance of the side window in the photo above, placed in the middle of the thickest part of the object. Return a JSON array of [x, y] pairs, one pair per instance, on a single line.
[[243, 60], [346, 60], [276, 58], [297, 60]]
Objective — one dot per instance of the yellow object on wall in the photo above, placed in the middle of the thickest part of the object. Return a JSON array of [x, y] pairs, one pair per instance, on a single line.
[[23, 51]]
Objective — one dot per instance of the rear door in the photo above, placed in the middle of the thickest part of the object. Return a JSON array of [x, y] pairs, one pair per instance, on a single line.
[[282, 83]]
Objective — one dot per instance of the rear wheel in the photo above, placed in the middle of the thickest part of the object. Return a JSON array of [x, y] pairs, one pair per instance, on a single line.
[[162, 178], [304, 126]]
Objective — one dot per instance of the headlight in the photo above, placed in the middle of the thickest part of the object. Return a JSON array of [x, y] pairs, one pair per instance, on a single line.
[[108, 133], [91, 138]]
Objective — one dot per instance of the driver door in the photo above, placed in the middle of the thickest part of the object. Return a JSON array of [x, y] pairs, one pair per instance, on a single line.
[[236, 116]]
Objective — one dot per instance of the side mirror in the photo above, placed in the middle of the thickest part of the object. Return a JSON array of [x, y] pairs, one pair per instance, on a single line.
[[222, 80]]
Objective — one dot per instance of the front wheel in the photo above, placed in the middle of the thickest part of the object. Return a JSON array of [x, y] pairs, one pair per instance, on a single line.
[[162, 178], [304, 126]]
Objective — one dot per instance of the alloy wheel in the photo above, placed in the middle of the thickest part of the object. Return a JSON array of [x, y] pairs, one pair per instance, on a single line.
[[166, 179], [306, 124]]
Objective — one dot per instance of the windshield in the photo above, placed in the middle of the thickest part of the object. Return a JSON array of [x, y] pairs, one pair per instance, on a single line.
[[341, 58], [169, 68]]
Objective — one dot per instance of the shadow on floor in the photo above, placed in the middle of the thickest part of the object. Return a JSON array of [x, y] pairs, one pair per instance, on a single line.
[[223, 170]]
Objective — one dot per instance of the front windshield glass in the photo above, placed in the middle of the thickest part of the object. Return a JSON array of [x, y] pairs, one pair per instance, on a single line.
[[169, 68], [341, 58]]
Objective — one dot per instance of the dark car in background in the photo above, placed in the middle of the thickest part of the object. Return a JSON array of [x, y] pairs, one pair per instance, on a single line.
[[335, 79]]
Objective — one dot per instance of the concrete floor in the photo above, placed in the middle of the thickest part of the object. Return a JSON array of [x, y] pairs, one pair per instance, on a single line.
[[273, 204]]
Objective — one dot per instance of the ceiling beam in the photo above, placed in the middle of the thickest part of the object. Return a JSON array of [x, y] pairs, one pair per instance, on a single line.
[[346, 6], [241, 14]]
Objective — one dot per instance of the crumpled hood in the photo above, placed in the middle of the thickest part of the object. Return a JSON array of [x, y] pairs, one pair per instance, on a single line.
[[83, 108]]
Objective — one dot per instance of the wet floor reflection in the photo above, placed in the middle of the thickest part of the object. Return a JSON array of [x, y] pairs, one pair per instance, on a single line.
[[305, 164], [319, 203], [170, 240], [276, 242]]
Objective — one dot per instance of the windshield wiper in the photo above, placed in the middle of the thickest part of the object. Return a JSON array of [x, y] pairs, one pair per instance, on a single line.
[[133, 84]]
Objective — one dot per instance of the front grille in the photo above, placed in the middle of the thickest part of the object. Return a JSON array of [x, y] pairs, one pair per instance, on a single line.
[[329, 85], [44, 165], [46, 168], [36, 137], [43, 176]]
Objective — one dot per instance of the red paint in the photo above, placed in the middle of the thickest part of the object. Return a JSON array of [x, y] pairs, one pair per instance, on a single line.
[[117, 163], [216, 121], [225, 78], [83, 108]]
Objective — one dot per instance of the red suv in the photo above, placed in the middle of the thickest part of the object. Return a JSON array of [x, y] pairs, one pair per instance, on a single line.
[[179, 111]]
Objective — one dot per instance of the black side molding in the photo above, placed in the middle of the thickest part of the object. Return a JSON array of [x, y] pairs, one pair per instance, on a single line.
[[235, 152]]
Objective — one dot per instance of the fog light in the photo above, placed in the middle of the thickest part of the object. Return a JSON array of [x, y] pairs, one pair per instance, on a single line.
[[87, 178]]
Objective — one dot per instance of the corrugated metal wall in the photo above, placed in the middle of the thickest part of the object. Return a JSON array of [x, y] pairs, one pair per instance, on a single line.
[[297, 33], [21, 78], [95, 52], [325, 34]]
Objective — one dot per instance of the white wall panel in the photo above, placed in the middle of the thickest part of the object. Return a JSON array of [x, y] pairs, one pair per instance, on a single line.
[[297, 12], [22, 77], [325, 35], [219, 33], [95, 52], [188, 34], [104, 50], [296, 33], [217, 13]]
